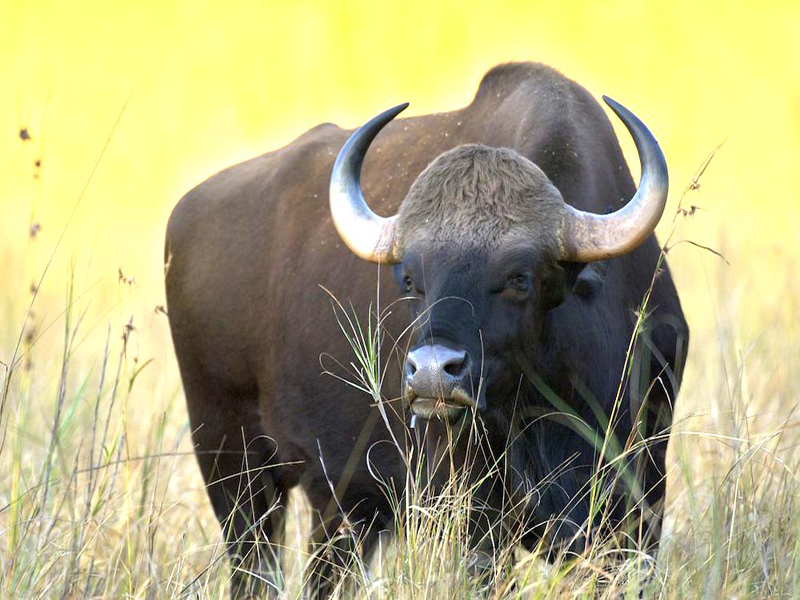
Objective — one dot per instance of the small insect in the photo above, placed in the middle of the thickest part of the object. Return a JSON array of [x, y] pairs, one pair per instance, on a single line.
[[34, 230], [24, 134]]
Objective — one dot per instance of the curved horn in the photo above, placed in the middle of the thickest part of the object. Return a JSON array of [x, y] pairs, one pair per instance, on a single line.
[[368, 235], [588, 237]]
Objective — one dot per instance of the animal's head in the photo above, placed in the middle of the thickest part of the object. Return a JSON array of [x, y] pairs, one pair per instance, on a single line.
[[479, 243]]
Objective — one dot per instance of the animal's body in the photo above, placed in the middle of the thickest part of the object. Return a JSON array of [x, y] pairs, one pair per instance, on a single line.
[[251, 252]]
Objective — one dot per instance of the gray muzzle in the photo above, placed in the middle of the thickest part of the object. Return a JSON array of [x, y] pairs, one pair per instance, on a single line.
[[438, 382]]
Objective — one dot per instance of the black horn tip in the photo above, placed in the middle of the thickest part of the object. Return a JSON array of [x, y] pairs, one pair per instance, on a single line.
[[348, 162], [610, 101], [356, 146], [389, 114], [646, 143], [620, 110], [631, 121]]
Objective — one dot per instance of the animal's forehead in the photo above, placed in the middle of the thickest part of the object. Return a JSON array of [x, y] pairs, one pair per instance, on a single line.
[[479, 196]]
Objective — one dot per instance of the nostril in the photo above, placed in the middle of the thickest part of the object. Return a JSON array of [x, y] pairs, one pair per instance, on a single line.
[[455, 366]]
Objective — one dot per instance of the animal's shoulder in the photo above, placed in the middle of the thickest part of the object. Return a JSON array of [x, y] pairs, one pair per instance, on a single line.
[[526, 77], [543, 110]]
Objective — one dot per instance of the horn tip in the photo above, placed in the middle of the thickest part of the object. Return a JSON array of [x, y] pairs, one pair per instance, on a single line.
[[399, 108], [615, 106]]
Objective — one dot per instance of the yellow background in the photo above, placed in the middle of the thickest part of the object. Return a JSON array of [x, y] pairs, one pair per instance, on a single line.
[[208, 84]]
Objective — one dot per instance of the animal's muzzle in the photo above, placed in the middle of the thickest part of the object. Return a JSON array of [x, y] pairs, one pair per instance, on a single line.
[[438, 382]]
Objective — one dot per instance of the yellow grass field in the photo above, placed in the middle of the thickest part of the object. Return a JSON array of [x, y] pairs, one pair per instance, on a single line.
[[110, 111]]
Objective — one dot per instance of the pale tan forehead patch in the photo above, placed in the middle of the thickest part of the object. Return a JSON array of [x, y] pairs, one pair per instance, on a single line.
[[480, 196]]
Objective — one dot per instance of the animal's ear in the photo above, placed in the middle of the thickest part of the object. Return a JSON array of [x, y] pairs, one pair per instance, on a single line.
[[585, 279], [552, 286]]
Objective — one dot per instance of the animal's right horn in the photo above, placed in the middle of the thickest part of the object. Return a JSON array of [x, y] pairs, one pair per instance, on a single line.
[[368, 235], [587, 236]]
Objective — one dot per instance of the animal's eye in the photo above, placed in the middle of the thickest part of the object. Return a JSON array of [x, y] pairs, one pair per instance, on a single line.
[[519, 282], [408, 284]]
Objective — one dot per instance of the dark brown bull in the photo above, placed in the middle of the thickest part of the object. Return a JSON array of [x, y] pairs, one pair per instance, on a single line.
[[519, 300]]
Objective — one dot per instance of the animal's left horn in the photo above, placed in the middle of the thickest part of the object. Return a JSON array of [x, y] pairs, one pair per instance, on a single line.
[[368, 235], [588, 237]]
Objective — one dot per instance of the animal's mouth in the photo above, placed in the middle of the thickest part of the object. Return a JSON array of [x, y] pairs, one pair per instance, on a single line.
[[446, 409]]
